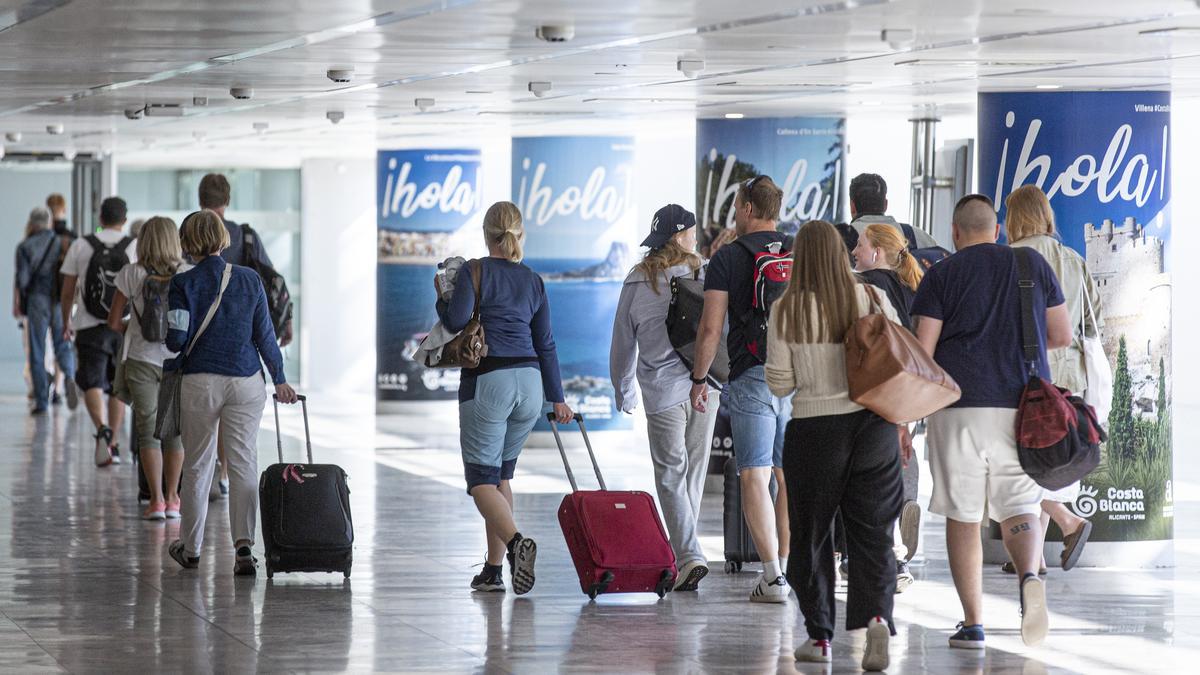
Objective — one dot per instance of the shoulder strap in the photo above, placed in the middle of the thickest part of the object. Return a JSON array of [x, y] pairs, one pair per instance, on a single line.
[[46, 254], [476, 267], [1029, 338], [95, 243], [123, 244], [212, 310]]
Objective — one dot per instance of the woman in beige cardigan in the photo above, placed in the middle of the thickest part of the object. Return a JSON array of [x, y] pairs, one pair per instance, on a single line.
[[1030, 223]]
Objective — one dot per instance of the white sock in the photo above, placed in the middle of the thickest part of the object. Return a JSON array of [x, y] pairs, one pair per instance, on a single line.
[[771, 569], [783, 565]]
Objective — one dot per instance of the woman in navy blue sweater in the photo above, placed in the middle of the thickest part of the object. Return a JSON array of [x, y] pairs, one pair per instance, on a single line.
[[501, 399], [222, 384]]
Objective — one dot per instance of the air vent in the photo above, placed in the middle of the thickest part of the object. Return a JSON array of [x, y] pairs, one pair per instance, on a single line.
[[983, 63]]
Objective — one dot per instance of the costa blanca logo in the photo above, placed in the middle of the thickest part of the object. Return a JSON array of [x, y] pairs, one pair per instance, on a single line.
[[1085, 504], [801, 201], [598, 199], [452, 194], [1115, 175]]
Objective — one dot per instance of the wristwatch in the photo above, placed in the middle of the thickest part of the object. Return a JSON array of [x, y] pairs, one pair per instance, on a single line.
[[703, 380]]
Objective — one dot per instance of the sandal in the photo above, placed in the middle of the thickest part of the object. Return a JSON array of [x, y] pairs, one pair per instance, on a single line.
[[1073, 545]]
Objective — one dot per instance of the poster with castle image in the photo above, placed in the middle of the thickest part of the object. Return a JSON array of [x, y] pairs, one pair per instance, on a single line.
[[1104, 160], [575, 194]]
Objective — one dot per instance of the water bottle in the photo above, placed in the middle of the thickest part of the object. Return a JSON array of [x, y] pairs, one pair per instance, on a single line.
[[443, 289]]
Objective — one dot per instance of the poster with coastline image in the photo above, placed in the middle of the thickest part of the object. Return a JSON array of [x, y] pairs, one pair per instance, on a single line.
[[575, 194], [805, 156], [1104, 160], [423, 199]]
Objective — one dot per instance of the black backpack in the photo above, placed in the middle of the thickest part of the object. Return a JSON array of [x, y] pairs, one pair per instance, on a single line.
[[683, 324], [279, 300], [99, 285], [153, 317], [927, 257], [772, 272]]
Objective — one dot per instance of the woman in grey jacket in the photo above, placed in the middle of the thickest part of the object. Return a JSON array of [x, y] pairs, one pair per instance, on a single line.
[[680, 436]]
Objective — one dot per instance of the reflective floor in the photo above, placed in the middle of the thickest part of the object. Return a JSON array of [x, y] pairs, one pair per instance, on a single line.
[[87, 587]]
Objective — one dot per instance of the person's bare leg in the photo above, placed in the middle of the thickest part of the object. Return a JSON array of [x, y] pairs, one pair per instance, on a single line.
[[116, 413], [1023, 540], [782, 528], [152, 467], [498, 518], [495, 540], [1045, 522], [172, 470], [1067, 521], [965, 551], [93, 400], [759, 510]]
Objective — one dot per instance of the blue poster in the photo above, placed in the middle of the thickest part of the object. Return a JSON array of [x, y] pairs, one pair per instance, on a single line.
[[1104, 160], [803, 155], [576, 197], [423, 197]]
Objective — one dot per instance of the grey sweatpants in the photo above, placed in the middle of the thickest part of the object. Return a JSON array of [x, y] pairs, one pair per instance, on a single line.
[[680, 445], [235, 406]]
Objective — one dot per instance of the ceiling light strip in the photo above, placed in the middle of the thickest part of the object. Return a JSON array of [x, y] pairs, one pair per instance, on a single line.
[[28, 11]]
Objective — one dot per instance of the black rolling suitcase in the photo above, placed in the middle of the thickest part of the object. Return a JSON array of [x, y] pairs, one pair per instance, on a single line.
[[739, 545], [305, 513]]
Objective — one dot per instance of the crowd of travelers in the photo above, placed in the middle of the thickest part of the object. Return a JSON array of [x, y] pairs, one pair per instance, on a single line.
[[827, 486]]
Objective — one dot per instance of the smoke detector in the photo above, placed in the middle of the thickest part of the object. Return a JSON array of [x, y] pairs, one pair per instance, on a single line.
[[340, 75], [898, 38], [539, 89], [134, 113], [241, 93], [423, 104], [55, 129], [690, 67], [335, 116], [13, 136], [555, 32], [199, 101], [69, 154]]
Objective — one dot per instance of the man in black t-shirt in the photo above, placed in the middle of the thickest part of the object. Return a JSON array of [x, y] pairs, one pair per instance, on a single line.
[[757, 417]]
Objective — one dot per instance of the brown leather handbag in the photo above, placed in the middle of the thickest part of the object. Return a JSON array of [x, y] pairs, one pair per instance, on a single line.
[[469, 347], [890, 374]]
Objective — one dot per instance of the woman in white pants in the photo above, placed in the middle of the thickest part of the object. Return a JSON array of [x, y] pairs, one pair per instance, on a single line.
[[1030, 222], [219, 324], [680, 437]]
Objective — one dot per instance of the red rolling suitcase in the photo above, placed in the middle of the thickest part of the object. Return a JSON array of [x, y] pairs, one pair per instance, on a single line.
[[615, 538]]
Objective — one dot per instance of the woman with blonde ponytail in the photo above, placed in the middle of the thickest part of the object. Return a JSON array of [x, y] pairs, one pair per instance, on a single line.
[[882, 259], [501, 399]]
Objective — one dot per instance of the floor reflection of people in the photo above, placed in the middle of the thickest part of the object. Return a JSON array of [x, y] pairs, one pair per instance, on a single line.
[[507, 642]]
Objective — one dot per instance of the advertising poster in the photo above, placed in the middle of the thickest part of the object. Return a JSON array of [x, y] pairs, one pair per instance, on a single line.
[[576, 196], [423, 198], [805, 156], [1104, 160]]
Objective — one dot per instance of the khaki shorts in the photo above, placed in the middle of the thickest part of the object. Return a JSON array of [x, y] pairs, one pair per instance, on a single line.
[[137, 384], [973, 460]]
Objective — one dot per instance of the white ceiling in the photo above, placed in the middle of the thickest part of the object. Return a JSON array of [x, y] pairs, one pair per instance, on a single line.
[[82, 63]]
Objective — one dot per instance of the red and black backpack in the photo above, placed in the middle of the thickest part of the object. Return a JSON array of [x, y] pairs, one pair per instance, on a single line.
[[772, 272]]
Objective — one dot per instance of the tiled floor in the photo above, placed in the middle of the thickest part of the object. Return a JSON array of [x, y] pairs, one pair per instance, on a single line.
[[87, 587]]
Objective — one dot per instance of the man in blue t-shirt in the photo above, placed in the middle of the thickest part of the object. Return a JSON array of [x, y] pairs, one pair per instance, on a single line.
[[968, 314], [757, 417]]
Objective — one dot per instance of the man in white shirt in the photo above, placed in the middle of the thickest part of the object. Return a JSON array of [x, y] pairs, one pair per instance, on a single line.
[[89, 273]]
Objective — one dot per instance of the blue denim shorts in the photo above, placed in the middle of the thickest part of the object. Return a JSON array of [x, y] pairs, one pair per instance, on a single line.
[[758, 420], [494, 425]]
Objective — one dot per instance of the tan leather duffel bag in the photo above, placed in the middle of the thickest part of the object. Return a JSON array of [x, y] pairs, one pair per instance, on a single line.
[[890, 374], [469, 347]]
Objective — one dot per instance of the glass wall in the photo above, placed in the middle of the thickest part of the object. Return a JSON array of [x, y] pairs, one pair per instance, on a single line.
[[266, 199]]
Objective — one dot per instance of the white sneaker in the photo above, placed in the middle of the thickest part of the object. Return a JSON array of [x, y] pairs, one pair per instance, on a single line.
[[775, 590], [1035, 620], [690, 575], [875, 654], [815, 651]]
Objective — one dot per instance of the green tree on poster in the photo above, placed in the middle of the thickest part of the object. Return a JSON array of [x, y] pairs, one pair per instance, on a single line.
[[709, 186], [1122, 431]]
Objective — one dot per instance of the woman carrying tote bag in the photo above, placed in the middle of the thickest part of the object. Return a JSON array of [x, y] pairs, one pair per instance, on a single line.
[[1030, 223], [222, 384], [836, 454]]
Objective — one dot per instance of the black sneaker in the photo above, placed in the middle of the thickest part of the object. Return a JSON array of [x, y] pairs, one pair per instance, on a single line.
[[39, 412], [103, 455], [490, 579], [245, 564], [177, 553], [522, 553]]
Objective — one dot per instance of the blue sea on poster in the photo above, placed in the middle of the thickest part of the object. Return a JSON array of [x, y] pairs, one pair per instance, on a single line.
[[427, 190], [576, 197], [1098, 155]]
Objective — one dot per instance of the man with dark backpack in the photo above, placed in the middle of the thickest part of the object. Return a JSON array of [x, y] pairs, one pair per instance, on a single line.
[[89, 281], [868, 205], [743, 279]]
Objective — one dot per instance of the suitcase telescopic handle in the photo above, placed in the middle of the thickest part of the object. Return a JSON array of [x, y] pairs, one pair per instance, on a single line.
[[279, 434], [563, 451]]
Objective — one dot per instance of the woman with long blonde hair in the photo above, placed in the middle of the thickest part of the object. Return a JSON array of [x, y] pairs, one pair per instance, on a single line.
[[836, 454], [680, 436], [501, 399], [140, 366]]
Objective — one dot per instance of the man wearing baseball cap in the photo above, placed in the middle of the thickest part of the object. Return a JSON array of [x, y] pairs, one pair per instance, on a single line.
[[680, 435]]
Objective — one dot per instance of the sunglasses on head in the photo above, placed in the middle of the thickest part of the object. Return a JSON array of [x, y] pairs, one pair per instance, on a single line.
[[749, 184]]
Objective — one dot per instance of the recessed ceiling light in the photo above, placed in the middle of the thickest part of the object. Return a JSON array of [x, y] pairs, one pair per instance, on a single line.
[[870, 103], [1048, 86], [734, 116]]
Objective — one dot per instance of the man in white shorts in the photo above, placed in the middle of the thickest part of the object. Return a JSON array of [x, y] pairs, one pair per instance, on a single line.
[[968, 315]]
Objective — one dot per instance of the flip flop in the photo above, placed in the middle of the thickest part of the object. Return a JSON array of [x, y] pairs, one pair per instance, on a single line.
[[1073, 545]]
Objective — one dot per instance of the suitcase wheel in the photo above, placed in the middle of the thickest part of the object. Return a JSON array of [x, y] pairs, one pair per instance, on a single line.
[[270, 572], [732, 567], [600, 586], [664, 583]]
